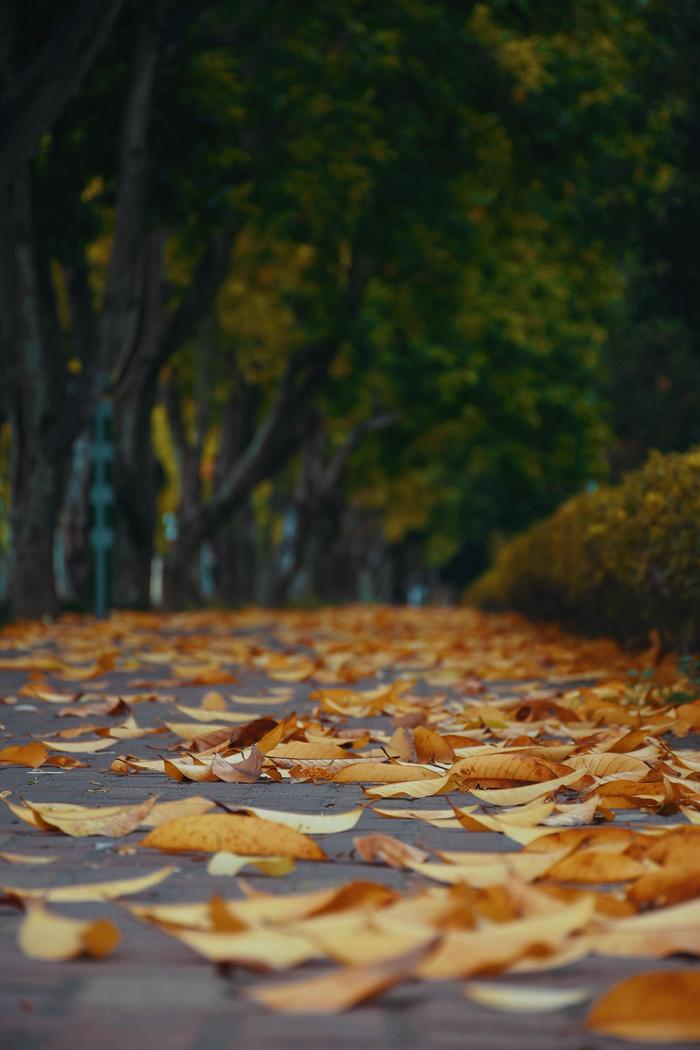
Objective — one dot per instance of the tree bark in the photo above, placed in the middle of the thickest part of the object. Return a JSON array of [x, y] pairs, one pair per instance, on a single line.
[[43, 422], [38, 479]]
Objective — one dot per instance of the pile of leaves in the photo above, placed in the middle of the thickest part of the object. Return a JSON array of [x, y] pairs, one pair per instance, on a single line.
[[448, 719]]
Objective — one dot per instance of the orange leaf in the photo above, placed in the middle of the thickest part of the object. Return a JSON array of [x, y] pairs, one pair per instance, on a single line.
[[650, 1007]]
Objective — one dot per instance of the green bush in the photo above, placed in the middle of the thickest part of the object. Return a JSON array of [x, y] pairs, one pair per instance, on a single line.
[[618, 561]]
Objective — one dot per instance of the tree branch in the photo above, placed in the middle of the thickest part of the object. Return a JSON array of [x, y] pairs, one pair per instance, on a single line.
[[37, 96], [334, 469], [120, 306]]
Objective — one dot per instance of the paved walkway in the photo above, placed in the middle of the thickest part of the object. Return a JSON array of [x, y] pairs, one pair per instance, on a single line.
[[154, 992]]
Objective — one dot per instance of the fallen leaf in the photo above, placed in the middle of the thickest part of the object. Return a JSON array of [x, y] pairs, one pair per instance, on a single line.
[[92, 891], [658, 1006], [391, 850], [79, 746], [28, 858], [33, 755], [517, 796], [231, 864], [312, 823], [332, 993], [50, 937], [383, 773], [245, 770], [260, 948], [595, 866], [525, 998], [164, 811], [232, 833], [79, 821]]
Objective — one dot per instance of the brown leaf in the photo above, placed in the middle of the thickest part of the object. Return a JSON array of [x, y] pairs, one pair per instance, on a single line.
[[246, 771], [391, 850], [431, 747]]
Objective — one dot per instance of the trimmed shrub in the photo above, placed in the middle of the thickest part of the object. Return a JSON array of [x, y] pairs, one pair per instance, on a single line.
[[621, 561]]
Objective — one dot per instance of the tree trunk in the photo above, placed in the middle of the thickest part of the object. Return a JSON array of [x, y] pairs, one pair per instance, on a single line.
[[137, 477], [36, 496], [181, 570], [235, 559]]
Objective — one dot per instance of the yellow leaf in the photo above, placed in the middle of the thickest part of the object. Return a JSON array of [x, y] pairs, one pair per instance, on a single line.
[[312, 823], [87, 747], [269, 949], [609, 764], [483, 869], [525, 998], [232, 833], [204, 715], [383, 773], [332, 993], [232, 863], [595, 866], [92, 891], [27, 858], [172, 810], [79, 821], [462, 953], [45, 935], [433, 785], [517, 796]]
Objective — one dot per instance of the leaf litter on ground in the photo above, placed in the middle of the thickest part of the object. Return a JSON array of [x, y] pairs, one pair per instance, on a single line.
[[554, 764]]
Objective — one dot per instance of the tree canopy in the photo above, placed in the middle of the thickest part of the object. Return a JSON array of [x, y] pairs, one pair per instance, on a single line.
[[366, 284]]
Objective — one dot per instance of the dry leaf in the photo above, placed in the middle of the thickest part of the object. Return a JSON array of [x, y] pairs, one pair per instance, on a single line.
[[245, 770], [232, 833], [332, 993], [33, 755], [164, 811], [47, 936], [87, 747], [525, 998], [79, 821], [260, 948], [595, 866], [27, 858], [311, 823], [92, 891], [391, 850], [232, 863], [383, 773], [650, 1007]]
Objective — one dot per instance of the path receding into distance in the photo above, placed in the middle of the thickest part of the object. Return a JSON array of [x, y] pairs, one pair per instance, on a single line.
[[477, 704]]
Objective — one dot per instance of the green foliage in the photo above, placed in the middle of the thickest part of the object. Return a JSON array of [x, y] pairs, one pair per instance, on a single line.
[[622, 560]]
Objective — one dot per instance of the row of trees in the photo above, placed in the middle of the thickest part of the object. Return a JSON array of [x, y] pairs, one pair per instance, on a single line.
[[347, 272]]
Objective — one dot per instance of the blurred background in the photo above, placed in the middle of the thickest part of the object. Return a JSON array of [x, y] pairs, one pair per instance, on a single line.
[[322, 301]]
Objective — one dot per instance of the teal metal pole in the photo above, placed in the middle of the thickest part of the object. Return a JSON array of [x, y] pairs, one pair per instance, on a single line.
[[102, 501]]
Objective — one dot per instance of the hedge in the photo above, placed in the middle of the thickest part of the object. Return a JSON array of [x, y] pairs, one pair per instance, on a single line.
[[621, 561]]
